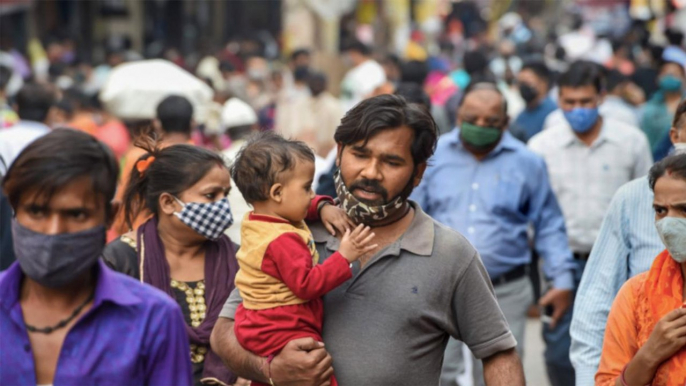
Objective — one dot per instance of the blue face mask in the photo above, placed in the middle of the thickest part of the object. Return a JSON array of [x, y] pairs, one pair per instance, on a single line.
[[670, 83], [581, 119]]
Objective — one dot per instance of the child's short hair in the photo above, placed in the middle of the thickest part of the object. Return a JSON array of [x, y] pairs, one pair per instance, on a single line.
[[261, 161]]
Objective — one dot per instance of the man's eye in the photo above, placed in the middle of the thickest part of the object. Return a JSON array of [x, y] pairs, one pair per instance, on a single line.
[[78, 215], [36, 212], [360, 155]]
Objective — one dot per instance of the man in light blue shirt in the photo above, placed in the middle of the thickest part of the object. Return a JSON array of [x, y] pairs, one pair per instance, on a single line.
[[487, 185], [626, 246]]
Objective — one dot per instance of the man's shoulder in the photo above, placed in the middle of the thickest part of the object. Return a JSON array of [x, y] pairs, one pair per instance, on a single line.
[[634, 192], [548, 138], [621, 129], [449, 243]]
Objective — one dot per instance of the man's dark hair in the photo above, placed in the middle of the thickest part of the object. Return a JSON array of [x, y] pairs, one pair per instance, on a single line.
[[475, 62], [539, 68], [261, 162], [582, 73], [615, 79], [674, 37], [301, 73], [5, 76], [357, 46], [680, 115], [57, 159], [384, 112], [173, 170], [299, 52], [175, 114], [414, 93], [675, 165], [34, 100], [414, 71], [225, 66]]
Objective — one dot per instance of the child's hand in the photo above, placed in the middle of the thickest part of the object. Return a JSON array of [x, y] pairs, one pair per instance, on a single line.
[[335, 219], [356, 243]]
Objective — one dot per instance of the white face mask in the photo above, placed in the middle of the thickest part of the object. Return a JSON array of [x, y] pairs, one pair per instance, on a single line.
[[672, 231], [680, 148]]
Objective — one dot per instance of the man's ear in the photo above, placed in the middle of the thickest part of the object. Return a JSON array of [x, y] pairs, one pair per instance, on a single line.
[[674, 135], [167, 204], [276, 192], [419, 173]]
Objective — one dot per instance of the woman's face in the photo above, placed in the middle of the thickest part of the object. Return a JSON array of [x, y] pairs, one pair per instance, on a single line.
[[670, 197], [214, 186]]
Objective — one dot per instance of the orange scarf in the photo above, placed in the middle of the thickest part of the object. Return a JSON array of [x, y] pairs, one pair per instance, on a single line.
[[663, 293]]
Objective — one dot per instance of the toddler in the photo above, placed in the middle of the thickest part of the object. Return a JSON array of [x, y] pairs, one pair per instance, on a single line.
[[279, 279]]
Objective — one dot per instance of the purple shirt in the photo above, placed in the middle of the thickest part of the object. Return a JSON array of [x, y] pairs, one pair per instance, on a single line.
[[133, 335]]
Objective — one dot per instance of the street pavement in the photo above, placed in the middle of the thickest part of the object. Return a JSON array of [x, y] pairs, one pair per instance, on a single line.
[[534, 365]]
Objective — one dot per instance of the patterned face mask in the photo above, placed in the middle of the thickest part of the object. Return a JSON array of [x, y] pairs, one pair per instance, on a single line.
[[372, 215], [208, 219]]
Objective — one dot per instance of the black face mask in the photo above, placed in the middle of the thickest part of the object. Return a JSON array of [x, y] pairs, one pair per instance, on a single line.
[[528, 93]]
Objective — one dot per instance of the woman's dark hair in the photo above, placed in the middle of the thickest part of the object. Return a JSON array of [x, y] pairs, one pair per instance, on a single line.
[[58, 158], [674, 165], [384, 112], [173, 170], [261, 162], [583, 73]]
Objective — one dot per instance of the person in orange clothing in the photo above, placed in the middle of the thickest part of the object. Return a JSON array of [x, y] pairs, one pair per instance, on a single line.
[[175, 124], [279, 279], [645, 337]]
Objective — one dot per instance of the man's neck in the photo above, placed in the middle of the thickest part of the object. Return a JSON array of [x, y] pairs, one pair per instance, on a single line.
[[66, 297], [175, 139], [590, 136], [672, 97]]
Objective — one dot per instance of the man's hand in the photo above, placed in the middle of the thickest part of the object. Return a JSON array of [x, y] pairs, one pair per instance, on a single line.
[[335, 219], [302, 362], [560, 299]]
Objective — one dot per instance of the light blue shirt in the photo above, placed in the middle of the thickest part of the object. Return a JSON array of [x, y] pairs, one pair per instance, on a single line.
[[626, 246], [494, 201]]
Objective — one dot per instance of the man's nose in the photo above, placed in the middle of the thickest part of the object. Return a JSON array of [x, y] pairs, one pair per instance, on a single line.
[[371, 171], [54, 225]]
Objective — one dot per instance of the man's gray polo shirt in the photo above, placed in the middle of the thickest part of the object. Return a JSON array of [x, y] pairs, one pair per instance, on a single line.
[[390, 323]]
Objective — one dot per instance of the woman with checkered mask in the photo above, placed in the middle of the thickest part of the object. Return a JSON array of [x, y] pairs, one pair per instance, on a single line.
[[182, 249]]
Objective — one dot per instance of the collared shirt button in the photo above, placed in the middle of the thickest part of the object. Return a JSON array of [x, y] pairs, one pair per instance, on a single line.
[[475, 186], [472, 208], [470, 230]]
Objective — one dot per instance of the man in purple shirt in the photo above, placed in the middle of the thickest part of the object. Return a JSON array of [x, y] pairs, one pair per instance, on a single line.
[[67, 319]]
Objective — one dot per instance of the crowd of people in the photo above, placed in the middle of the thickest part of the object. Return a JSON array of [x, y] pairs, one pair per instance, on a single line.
[[460, 191]]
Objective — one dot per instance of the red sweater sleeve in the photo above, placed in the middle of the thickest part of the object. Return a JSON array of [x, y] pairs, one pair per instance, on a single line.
[[288, 259], [313, 213]]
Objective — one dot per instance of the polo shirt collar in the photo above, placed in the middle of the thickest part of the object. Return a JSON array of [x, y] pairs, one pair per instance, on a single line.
[[107, 288], [567, 137], [418, 239]]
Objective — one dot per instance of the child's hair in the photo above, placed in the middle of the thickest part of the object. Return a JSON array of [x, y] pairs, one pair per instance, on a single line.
[[172, 170], [261, 162]]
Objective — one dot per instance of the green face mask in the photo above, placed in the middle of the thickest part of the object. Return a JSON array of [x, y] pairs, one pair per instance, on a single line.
[[479, 136]]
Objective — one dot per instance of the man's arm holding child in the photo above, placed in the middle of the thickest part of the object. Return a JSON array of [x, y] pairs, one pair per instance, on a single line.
[[302, 362]]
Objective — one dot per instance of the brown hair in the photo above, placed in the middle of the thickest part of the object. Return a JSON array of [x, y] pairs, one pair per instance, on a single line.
[[262, 160]]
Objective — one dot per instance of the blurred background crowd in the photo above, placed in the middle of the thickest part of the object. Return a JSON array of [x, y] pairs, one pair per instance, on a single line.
[[211, 73]]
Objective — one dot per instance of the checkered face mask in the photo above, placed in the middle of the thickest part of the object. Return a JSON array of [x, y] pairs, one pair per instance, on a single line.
[[208, 219]]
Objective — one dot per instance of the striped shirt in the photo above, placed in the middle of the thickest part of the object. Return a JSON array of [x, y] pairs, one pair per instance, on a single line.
[[626, 247]]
